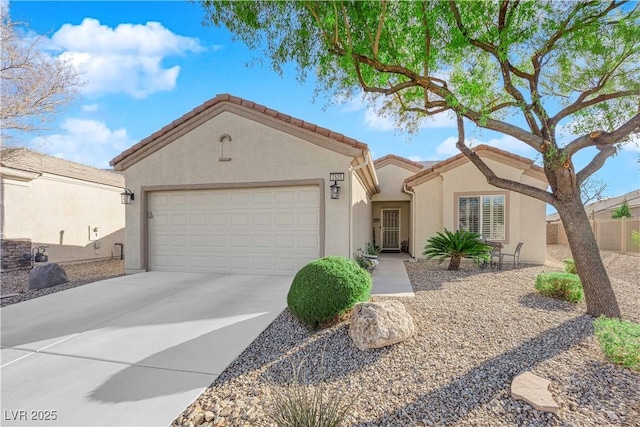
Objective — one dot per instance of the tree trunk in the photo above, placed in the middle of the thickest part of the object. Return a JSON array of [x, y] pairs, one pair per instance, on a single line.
[[598, 292], [454, 264]]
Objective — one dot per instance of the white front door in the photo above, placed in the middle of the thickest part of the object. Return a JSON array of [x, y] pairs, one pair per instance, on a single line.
[[391, 229]]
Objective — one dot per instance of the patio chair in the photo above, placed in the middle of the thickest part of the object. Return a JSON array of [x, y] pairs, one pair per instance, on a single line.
[[495, 254], [515, 255]]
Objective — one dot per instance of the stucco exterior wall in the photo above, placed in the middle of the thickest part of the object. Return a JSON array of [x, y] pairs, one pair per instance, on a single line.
[[361, 215], [58, 211], [428, 216], [258, 154], [391, 179], [525, 219]]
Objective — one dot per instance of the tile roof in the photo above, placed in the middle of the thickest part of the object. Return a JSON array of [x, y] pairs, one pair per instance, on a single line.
[[32, 161], [221, 98], [606, 204], [437, 165], [382, 159]]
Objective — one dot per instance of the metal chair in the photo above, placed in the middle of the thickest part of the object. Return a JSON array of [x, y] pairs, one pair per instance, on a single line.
[[515, 255]]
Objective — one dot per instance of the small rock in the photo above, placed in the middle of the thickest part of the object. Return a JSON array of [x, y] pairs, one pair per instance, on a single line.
[[46, 276], [208, 416], [612, 415], [198, 418], [379, 324], [533, 390]]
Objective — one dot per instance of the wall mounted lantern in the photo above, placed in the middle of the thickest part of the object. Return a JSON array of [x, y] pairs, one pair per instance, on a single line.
[[335, 188], [127, 197]]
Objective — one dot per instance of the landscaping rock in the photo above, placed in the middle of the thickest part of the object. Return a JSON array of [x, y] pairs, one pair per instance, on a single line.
[[379, 324], [533, 390], [46, 276]]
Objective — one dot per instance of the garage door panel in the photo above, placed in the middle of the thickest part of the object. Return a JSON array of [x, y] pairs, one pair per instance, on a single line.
[[260, 230]]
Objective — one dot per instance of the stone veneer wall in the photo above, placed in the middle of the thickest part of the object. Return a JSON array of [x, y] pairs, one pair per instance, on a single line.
[[12, 251]]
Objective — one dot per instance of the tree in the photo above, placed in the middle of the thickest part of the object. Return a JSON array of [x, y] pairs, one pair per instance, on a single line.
[[34, 85], [592, 189], [622, 211], [522, 68]]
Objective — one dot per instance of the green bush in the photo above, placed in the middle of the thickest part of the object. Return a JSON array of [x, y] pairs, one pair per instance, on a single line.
[[622, 211], [564, 286], [326, 288], [570, 266], [620, 341], [455, 246]]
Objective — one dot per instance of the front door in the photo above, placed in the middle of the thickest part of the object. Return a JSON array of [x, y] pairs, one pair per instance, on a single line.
[[391, 229]]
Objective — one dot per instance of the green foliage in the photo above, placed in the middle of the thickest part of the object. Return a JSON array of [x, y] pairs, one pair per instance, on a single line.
[[373, 249], [299, 404], [458, 245], [362, 261], [620, 341], [635, 235], [326, 288], [622, 211], [564, 286], [570, 266]]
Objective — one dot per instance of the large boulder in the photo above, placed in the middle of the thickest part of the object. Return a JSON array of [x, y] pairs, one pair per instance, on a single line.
[[46, 276], [379, 324]]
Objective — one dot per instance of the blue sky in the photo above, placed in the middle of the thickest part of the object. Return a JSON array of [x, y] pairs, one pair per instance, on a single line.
[[147, 63]]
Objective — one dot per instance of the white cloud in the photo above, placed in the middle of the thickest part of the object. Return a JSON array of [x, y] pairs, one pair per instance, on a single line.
[[90, 107], [128, 58], [375, 121], [633, 145], [415, 158], [89, 142]]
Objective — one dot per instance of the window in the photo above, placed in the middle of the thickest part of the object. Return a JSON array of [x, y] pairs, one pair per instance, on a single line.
[[484, 215]]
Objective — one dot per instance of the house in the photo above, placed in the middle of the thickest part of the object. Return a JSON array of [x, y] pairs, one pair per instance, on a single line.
[[73, 209], [604, 208], [236, 187], [611, 234]]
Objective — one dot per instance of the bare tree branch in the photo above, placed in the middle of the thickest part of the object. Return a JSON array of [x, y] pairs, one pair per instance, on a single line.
[[33, 85], [492, 178], [600, 139], [595, 164]]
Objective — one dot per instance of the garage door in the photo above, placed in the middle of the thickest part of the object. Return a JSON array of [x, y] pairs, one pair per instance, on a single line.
[[270, 230]]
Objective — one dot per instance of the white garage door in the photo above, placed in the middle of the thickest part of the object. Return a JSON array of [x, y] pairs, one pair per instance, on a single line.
[[270, 230]]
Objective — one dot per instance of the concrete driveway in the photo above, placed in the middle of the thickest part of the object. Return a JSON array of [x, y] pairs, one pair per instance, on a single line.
[[129, 351]]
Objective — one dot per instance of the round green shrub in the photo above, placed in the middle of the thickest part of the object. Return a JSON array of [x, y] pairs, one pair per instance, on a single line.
[[564, 286], [326, 288]]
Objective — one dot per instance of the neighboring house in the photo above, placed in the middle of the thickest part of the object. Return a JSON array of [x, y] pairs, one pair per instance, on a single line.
[[611, 234], [72, 208], [235, 187], [604, 208]]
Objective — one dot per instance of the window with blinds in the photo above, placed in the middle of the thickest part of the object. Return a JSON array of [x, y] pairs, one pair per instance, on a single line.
[[484, 215]]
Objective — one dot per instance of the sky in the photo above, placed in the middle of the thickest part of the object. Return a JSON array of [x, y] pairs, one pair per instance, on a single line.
[[145, 64]]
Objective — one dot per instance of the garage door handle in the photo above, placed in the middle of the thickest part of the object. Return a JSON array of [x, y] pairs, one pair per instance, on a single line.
[[149, 215]]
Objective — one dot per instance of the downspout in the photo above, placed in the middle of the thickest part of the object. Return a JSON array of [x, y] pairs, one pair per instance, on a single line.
[[412, 193], [353, 169]]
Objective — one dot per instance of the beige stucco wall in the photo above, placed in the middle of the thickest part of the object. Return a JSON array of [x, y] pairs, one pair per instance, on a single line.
[[391, 179], [361, 215], [428, 214], [258, 153], [58, 211], [525, 216]]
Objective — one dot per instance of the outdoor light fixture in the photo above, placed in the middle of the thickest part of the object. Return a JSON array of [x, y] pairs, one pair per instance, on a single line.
[[335, 188], [127, 197]]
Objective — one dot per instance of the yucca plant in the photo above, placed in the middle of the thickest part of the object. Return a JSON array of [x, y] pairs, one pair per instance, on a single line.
[[458, 245]]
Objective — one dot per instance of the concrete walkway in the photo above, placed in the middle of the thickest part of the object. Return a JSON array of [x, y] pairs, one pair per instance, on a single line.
[[130, 351], [390, 277]]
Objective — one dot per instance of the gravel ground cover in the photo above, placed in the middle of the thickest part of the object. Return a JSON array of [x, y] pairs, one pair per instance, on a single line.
[[476, 330], [17, 281]]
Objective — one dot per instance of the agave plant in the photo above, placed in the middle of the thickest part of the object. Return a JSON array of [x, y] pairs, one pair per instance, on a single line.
[[458, 245]]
